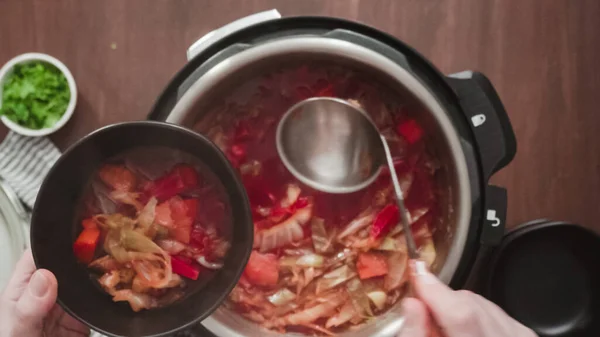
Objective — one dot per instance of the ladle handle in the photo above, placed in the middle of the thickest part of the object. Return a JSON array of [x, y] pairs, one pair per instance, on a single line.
[[404, 215]]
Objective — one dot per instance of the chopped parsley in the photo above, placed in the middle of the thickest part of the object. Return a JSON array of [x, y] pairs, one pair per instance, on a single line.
[[35, 95]]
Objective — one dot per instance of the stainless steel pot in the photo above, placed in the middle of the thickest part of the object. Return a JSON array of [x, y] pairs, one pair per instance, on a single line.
[[219, 70]]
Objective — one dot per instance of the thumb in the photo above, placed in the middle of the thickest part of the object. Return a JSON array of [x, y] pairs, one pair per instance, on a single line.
[[35, 303], [415, 318]]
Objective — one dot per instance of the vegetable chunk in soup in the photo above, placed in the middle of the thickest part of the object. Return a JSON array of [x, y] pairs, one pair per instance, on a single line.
[[153, 221], [322, 263]]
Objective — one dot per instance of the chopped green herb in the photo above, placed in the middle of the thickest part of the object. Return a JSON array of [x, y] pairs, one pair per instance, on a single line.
[[35, 95]]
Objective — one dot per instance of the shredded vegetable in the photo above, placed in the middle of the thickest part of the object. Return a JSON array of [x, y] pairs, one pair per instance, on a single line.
[[341, 256], [359, 298], [137, 233], [283, 296], [321, 241], [334, 278], [311, 260]]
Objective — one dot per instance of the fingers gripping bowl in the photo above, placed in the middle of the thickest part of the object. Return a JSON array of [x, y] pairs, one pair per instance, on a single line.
[[149, 203]]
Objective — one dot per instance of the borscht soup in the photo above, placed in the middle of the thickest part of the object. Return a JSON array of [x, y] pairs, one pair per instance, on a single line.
[[155, 224], [323, 263]]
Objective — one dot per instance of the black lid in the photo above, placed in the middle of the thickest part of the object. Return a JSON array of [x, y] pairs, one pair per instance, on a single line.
[[546, 275]]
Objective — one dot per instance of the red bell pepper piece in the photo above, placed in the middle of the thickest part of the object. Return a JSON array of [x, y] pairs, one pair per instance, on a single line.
[[85, 245], [262, 269], [371, 265], [118, 177], [181, 178], [184, 268], [299, 204], [410, 130], [384, 221]]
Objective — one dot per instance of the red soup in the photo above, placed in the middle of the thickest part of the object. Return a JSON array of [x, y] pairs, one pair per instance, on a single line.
[[153, 221], [322, 263]]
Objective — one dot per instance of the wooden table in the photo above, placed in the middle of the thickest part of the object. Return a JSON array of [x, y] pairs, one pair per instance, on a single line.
[[542, 56]]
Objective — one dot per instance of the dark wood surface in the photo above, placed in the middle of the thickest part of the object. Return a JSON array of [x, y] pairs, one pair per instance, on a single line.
[[542, 56]]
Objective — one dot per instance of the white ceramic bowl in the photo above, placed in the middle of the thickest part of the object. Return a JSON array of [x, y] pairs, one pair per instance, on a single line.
[[33, 57]]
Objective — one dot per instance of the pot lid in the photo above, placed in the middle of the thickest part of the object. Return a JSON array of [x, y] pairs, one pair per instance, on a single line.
[[13, 232]]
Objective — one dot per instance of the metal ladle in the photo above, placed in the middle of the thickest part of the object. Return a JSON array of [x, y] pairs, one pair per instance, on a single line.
[[333, 146]]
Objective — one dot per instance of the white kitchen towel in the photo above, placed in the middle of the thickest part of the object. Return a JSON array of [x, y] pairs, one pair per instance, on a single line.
[[24, 163]]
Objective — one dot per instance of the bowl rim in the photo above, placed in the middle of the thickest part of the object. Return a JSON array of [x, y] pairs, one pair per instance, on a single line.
[[246, 213], [32, 57]]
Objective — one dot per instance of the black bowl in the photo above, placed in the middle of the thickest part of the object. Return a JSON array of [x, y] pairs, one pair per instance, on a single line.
[[54, 227], [546, 275]]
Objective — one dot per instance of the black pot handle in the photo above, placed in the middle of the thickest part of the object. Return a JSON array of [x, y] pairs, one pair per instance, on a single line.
[[487, 119]]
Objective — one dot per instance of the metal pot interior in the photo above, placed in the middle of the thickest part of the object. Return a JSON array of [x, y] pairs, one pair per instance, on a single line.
[[442, 142]]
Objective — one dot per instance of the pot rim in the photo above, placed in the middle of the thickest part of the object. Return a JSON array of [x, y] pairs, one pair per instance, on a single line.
[[359, 54]]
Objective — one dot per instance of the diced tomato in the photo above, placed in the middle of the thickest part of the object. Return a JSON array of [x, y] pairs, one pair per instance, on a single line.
[[183, 268], [181, 232], [89, 223], [371, 265], [384, 221], [85, 245], [182, 221], [181, 178], [178, 216], [162, 214], [262, 269], [118, 177], [192, 208], [410, 130], [179, 208]]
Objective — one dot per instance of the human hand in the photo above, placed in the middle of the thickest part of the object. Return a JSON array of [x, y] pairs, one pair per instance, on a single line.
[[457, 313], [27, 305]]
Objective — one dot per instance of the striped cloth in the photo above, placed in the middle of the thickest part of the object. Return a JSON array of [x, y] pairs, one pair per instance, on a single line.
[[24, 163]]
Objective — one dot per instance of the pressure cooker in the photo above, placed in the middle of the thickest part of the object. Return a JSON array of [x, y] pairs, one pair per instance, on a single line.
[[470, 128]]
